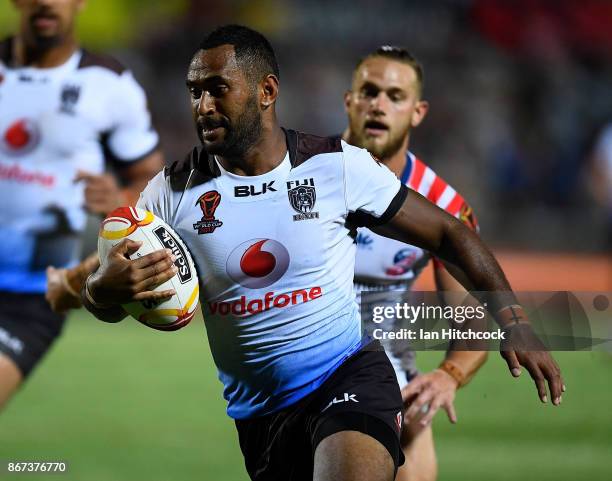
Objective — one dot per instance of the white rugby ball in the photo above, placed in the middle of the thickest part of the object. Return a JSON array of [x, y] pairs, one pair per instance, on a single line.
[[142, 226]]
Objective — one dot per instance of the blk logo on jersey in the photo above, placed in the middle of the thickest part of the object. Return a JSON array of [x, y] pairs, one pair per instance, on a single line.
[[302, 197], [344, 399], [364, 241], [20, 137], [252, 191], [208, 202], [69, 98], [258, 263]]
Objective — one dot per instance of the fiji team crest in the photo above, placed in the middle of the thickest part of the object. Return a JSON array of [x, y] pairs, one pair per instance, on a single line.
[[302, 197], [69, 98]]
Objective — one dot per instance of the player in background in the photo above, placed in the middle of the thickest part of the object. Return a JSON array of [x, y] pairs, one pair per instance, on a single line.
[[62, 109], [309, 399], [383, 106]]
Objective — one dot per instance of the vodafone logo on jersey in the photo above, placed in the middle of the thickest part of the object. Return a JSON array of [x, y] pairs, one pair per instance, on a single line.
[[20, 137], [255, 264], [258, 263]]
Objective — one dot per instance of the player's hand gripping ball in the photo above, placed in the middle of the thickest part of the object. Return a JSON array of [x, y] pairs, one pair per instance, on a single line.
[[142, 226]]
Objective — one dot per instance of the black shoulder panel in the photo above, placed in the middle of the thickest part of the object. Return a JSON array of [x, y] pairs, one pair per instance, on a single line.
[[6, 51], [195, 169], [304, 146], [363, 219], [89, 59]]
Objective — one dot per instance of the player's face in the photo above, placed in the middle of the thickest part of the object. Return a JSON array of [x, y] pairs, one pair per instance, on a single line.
[[47, 22], [224, 102], [383, 105]]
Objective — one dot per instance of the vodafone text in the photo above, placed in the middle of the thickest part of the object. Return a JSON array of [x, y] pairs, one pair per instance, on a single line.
[[23, 176], [242, 306]]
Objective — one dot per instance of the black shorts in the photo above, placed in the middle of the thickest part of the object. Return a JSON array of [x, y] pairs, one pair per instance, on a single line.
[[28, 327], [362, 395]]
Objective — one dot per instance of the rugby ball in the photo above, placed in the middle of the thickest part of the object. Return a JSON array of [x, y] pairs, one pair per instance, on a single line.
[[142, 226]]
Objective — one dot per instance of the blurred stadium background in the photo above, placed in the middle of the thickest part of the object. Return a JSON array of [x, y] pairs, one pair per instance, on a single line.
[[520, 102]]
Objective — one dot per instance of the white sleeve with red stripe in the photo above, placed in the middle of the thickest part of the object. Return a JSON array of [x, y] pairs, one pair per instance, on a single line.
[[433, 187]]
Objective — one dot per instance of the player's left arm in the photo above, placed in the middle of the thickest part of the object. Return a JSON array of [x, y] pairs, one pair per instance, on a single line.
[[437, 389], [421, 223]]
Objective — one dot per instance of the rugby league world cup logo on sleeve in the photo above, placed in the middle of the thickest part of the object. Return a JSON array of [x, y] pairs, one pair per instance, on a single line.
[[302, 197], [208, 202], [466, 215]]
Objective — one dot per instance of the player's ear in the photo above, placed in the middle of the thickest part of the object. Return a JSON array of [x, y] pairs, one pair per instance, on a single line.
[[347, 100], [80, 5], [419, 113], [269, 90]]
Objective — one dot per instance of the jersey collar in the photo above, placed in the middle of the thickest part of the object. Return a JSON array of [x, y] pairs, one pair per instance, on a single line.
[[407, 168]]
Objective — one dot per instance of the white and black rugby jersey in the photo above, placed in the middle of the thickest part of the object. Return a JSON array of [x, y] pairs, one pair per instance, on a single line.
[[275, 255], [53, 123]]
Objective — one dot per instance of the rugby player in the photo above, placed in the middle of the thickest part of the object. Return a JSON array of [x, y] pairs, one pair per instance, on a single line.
[[269, 215], [384, 104], [61, 109]]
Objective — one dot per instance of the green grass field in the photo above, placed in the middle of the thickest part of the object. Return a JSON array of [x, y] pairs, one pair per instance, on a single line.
[[124, 402]]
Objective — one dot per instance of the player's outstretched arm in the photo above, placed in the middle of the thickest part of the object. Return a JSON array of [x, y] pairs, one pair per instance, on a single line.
[[421, 223], [121, 280], [433, 390]]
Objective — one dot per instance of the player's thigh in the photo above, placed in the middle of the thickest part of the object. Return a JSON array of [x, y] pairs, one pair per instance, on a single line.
[[28, 328], [419, 451], [10, 378], [352, 456], [357, 420]]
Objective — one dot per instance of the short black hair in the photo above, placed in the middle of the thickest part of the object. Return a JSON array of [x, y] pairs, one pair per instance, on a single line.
[[254, 54], [399, 54]]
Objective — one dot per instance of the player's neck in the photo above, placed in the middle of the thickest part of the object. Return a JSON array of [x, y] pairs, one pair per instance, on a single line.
[[44, 57], [262, 157], [397, 162]]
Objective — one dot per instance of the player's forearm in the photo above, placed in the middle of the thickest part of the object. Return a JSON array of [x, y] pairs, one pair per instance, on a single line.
[[462, 365], [103, 312], [76, 276], [462, 247]]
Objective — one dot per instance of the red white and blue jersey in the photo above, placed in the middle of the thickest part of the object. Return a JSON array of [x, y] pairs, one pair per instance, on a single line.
[[388, 266], [53, 123], [275, 255], [384, 263]]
